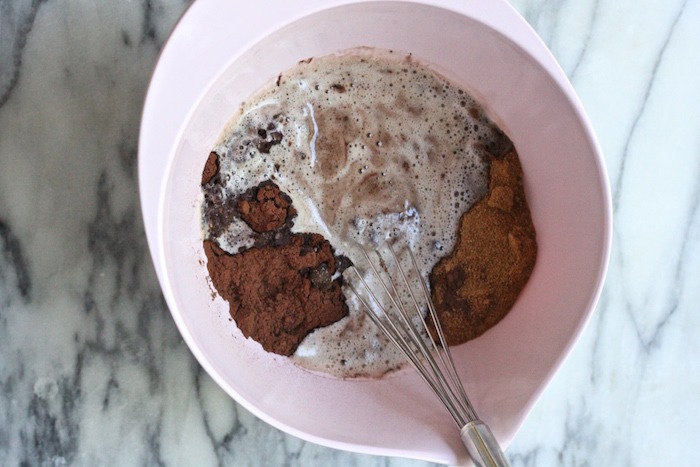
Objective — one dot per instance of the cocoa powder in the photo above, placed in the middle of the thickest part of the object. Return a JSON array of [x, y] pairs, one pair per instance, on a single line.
[[271, 294], [281, 289]]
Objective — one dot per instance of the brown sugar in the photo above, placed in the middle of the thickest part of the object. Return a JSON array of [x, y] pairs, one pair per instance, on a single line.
[[477, 284]]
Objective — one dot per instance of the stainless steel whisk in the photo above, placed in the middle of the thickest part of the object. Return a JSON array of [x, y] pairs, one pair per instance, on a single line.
[[403, 328]]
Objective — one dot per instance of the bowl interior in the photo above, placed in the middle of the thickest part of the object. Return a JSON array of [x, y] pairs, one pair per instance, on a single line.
[[505, 369]]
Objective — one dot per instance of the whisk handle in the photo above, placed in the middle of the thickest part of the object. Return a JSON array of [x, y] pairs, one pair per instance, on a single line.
[[482, 445]]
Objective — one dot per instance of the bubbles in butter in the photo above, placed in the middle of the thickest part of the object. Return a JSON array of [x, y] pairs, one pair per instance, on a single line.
[[369, 145]]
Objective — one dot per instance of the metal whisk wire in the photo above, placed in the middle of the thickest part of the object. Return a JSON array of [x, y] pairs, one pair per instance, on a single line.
[[438, 373]]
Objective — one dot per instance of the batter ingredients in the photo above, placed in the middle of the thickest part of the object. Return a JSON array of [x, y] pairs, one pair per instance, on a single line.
[[341, 150]]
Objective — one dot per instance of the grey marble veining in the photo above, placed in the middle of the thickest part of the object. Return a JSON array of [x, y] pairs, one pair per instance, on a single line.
[[92, 368]]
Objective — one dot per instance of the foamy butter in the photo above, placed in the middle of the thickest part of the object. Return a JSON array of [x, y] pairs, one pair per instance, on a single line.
[[373, 146]]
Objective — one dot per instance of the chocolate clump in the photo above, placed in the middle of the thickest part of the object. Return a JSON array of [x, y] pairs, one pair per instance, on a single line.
[[211, 168], [268, 210], [219, 209], [477, 284], [282, 288], [267, 140]]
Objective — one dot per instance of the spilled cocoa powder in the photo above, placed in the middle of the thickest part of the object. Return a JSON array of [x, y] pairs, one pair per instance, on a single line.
[[281, 289], [476, 285]]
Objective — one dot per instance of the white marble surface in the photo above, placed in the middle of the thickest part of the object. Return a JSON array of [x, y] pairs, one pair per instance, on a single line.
[[92, 368]]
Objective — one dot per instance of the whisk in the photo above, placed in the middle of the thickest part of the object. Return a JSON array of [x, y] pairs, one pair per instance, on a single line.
[[406, 327]]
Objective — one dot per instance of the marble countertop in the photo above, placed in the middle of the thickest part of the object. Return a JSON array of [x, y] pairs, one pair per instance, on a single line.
[[92, 368]]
